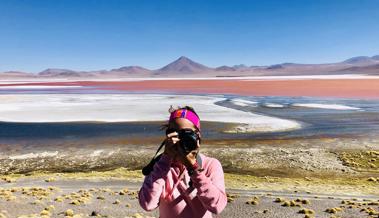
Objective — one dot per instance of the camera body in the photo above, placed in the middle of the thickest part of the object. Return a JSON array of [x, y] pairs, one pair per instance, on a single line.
[[188, 139]]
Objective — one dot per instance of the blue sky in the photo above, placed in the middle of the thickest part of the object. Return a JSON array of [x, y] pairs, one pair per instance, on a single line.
[[106, 34]]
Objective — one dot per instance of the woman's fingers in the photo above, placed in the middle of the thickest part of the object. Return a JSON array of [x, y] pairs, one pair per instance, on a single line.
[[188, 159], [172, 134], [174, 150], [172, 138], [175, 140], [171, 146]]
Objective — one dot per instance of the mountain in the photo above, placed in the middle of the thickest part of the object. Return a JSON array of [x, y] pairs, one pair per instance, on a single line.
[[131, 70], [225, 68], [16, 74], [182, 66], [128, 71], [362, 60], [240, 66], [275, 67], [370, 69], [185, 67], [53, 72]]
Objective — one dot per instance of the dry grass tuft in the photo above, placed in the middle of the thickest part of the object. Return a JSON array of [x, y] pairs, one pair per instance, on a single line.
[[253, 201], [333, 210], [306, 211], [69, 212], [51, 179]]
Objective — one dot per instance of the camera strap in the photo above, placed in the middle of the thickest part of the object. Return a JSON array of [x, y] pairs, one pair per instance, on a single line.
[[160, 147], [149, 167]]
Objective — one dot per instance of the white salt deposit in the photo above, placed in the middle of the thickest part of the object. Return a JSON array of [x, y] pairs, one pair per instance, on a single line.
[[33, 155], [273, 105], [243, 102], [129, 107], [96, 153], [326, 106], [38, 87]]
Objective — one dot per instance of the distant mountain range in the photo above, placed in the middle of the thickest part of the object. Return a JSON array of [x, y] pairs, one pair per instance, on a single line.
[[185, 67]]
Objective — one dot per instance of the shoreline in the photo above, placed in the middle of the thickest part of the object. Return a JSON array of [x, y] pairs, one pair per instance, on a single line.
[[272, 155]]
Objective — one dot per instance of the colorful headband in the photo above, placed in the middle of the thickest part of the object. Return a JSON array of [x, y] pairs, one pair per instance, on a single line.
[[187, 114]]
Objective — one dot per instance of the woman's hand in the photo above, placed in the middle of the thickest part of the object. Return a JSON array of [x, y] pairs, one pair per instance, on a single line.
[[171, 145], [175, 151], [189, 159]]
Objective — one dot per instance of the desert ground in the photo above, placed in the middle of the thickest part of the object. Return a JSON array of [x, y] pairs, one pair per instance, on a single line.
[[114, 194], [299, 148]]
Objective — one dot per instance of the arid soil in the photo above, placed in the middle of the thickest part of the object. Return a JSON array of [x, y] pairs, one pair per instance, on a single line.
[[114, 194]]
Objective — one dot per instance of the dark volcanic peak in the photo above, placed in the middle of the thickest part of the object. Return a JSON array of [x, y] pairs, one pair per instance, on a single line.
[[185, 65]]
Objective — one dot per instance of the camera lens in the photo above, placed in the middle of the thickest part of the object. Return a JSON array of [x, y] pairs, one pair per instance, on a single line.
[[188, 139]]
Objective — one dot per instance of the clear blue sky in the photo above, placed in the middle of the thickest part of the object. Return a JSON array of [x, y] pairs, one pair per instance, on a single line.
[[89, 34]]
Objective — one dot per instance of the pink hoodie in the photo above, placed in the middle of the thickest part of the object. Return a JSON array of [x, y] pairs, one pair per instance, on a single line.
[[206, 196]]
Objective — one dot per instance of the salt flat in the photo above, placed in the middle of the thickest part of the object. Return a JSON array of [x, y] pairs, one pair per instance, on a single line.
[[130, 107], [37, 87], [326, 106]]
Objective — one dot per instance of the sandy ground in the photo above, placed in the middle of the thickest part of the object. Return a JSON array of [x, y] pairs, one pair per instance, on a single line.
[[28, 197]]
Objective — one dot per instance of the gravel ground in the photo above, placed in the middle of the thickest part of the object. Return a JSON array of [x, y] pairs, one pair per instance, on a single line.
[[105, 198]]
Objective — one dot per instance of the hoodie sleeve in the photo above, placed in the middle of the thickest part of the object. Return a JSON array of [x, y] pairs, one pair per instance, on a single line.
[[153, 184], [210, 187]]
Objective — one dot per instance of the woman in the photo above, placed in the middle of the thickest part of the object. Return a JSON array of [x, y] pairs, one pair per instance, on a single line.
[[184, 183]]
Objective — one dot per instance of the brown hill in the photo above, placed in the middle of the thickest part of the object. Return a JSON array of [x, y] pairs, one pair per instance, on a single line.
[[181, 67]]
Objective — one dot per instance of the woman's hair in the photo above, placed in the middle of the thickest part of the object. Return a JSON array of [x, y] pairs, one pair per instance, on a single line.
[[172, 109]]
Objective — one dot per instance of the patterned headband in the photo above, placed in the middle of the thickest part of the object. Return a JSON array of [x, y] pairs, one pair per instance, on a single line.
[[187, 114]]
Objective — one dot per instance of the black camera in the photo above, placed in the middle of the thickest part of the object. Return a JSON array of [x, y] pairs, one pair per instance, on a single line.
[[188, 139]]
